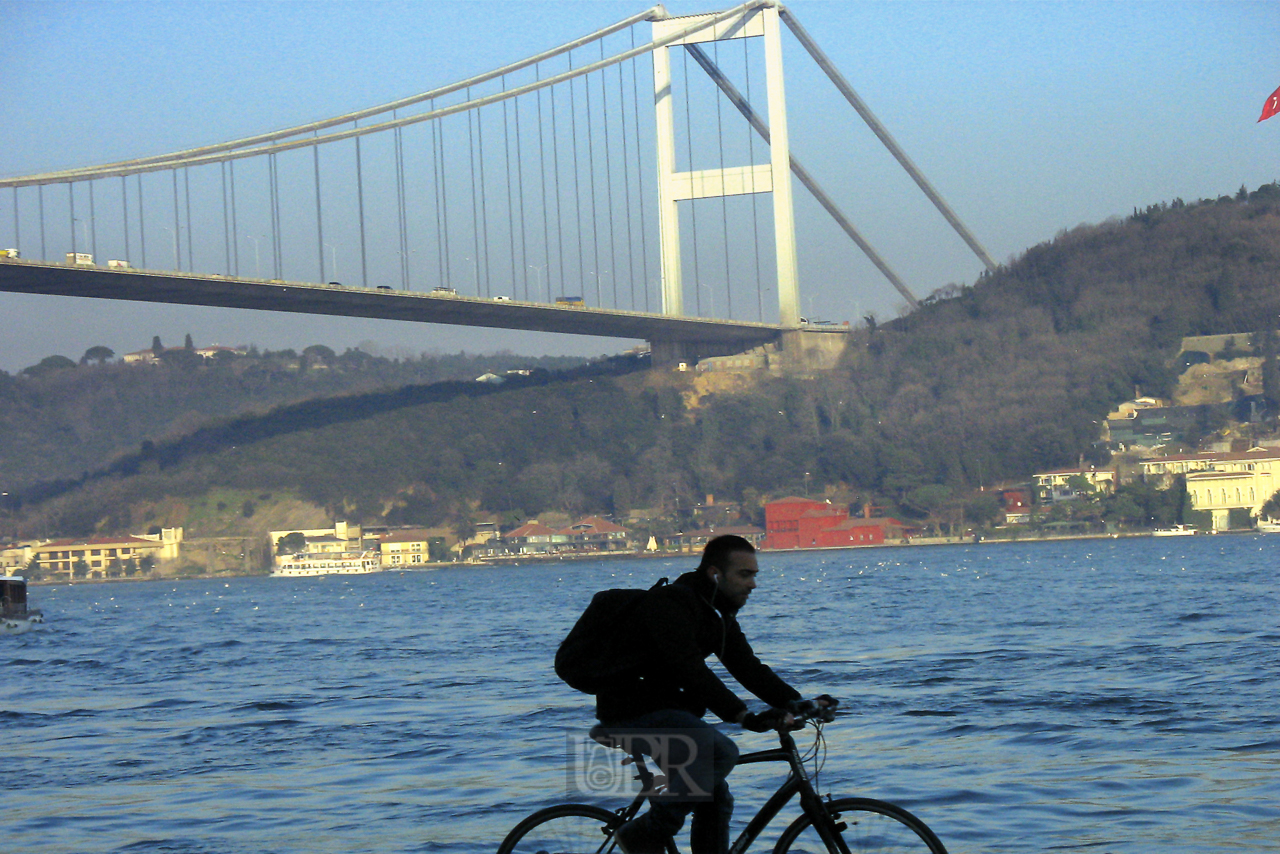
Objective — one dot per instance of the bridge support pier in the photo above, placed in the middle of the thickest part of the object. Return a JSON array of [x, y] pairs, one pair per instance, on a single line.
[[796, 351]]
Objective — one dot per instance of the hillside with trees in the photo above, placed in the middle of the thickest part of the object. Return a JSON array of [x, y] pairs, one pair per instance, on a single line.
[[60, 418], [984, 384]]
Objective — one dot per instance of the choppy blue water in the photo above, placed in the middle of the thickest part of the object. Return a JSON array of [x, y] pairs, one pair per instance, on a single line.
[[1111, 696]]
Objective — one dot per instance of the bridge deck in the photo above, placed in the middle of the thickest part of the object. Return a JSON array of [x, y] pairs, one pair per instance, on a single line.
[[28, 277]]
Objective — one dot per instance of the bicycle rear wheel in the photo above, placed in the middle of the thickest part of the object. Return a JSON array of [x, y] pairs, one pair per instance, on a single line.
[[867, 827], [563, 829]]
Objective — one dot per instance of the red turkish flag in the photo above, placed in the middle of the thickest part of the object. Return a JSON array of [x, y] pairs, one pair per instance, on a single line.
[[1272, 106]]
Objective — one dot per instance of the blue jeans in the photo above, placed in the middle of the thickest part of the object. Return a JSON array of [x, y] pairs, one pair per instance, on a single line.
[[696, 759]]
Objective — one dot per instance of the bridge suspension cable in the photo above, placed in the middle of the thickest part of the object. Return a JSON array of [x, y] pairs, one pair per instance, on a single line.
[[235, 151], [885, 137]]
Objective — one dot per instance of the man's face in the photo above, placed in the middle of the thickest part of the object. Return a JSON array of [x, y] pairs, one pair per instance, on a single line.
[[738, 578]]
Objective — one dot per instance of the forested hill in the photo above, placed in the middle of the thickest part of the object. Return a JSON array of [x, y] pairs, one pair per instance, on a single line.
[[984, 384], [61, 418]]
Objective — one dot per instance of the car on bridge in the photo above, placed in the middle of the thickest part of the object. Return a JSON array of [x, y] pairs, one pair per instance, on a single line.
[[444, 291], [571, 302]]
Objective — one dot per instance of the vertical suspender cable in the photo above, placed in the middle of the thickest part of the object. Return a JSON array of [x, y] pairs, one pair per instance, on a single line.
[[608, 178], [276, 256], [124, 204], [186, 186], [235, 222], [315, 162], [511, 213], [71, 195], [40, 197], [755, 214], [400, 209], [17, 231], [226, 220], [542, 164], [591, 176], [177, 225], [693, 204], [93, 224], [724, 201], [444, 208], [435, 200], [555, 183], [475, 205], [626, 186], [484, 202], [524, 237], [644, 231], [142, 226], [364, 258], [577, 193]]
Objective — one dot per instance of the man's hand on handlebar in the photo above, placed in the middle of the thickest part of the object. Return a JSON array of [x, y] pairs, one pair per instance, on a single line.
[[770, 719], [820, 708]]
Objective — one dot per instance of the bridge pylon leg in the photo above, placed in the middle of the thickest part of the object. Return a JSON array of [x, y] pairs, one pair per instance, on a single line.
[[775, 177]]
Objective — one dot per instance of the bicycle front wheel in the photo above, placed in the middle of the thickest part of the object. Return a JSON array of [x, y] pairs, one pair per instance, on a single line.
[[563, 829], [867, 827]]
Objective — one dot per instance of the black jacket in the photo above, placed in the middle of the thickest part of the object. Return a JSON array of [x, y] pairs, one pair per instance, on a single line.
[[673, 630]]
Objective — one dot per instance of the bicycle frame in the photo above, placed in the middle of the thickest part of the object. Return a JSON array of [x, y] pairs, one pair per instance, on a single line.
[[797, 782]]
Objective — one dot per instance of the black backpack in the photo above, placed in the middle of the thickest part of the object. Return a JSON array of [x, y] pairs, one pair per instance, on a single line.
[[595, 652]]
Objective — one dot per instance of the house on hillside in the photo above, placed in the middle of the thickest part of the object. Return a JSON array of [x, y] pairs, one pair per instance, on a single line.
[[801, 523], [1230, 486], [596, 534], [400, 549], [1056, 485], [103, 556], [533, 538]]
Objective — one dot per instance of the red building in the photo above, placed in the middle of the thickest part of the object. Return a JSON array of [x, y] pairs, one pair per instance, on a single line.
[[800, 523]]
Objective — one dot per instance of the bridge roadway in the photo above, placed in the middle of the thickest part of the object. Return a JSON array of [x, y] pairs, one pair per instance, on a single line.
[[670, 337]]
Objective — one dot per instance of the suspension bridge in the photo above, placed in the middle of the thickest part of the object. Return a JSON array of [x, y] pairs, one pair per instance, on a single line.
[[624, 184]]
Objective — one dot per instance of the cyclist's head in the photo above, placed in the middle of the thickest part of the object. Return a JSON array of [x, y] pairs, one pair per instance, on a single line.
[[716, 554], [730, 562]]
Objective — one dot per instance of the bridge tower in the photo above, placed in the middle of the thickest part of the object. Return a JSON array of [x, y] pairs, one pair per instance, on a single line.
[[775, 177]]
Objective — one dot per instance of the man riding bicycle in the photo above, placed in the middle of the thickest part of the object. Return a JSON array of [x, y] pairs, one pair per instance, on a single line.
[[659, 704]]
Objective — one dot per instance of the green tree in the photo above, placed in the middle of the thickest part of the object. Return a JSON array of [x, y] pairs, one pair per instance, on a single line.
[[188, 344], [97, 353], [291, 543], [1271, 509], [47, 365], [156, 347]]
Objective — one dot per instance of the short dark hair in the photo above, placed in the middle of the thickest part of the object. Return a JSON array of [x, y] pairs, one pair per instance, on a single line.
[[719, 548]]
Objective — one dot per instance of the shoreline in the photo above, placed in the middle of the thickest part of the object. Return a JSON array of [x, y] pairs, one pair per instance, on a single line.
[[516, 561]]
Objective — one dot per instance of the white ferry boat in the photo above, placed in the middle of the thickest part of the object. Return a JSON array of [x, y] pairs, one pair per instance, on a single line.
[[1175, 531], [331, 563], [15, 616]]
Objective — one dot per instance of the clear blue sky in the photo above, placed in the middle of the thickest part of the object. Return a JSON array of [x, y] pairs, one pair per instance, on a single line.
[[1029, 117]]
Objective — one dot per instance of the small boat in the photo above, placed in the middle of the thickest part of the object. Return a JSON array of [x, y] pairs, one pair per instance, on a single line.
[[1175, 531], [1268, 526], [15, 616]]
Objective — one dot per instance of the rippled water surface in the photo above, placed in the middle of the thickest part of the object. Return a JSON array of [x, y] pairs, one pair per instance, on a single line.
[[1109, 696]]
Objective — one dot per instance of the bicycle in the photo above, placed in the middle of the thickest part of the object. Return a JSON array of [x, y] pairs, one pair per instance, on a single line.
[[834, 826]]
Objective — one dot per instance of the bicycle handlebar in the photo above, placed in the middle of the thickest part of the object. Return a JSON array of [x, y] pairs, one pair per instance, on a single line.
[[819, 710]]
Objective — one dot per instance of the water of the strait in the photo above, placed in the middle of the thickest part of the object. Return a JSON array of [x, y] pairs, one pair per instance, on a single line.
[[1109, 696]]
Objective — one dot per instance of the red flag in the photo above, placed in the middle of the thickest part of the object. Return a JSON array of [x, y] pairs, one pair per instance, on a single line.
[[1272, 106]]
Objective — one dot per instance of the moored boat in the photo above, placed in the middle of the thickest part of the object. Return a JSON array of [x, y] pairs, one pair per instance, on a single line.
[[1174, 531], [15, 616], [327, 563]]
